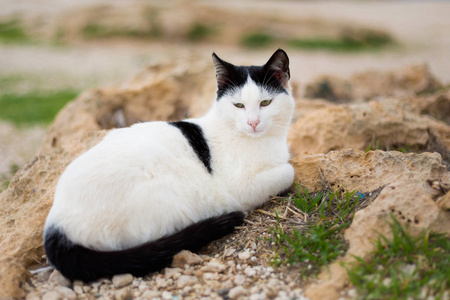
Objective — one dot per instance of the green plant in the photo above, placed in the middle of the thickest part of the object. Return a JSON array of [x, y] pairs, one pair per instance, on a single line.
[[94, 30], [38, 107], [349, 40], [11, 31], [377, 145], [257, 40], [321, 240], [199, 32], [404, 267]]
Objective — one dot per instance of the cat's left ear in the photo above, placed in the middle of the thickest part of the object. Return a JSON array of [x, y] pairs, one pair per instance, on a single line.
[[279, 65]]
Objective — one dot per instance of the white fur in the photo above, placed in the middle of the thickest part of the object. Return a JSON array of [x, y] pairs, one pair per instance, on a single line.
[[145, 181]]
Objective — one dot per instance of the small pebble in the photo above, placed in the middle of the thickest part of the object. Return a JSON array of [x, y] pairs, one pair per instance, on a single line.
[[150, 294], [33, 296], [57, 278], [66, 293], [123, 294], [52, 295], [186, 280], [244, 255], [122, 280], [186, 258], [166, 295], [239, 279], [237, 292], [172, 272], [229, 252]]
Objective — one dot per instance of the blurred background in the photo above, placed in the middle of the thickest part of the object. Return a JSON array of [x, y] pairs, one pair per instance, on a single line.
[[51, 51]]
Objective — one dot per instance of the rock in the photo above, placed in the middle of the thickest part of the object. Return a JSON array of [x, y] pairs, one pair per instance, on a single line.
[[122, 280], [229, 252], [214, 267], [33, 296], [244, 255], [250, 272], [58, 279], [52, 295], [395, 183], [239, 279], [180, 85], [166, 295], [44, 275], [186, 280], [66, 293], [151, 294], [237, 292], [358, 125], [186, 257], [123, 294], [408, 81], [444, 202], [172, 272]]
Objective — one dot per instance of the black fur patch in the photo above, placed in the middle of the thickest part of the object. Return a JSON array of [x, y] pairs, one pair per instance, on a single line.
[[80, 263], [194, 134]]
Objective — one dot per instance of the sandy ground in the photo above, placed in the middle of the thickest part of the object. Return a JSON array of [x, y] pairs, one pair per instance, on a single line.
[[422, 28]]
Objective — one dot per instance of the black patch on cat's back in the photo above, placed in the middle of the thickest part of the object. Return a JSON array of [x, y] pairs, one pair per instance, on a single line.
[[194, 134]]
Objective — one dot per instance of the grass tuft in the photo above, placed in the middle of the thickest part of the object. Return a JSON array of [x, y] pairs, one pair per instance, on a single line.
[[199, 32], [34, 108], [257, 40], [320, 240], [11, 31], [404, 267]]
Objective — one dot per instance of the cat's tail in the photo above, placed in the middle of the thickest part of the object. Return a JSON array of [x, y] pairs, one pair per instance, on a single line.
[[80, 263]]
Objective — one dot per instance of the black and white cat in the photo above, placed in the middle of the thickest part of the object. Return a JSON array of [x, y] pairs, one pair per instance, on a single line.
[[146, 192]]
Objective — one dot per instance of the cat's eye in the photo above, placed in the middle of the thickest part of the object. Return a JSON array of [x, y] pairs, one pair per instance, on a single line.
[[265, 102], [239, 105]]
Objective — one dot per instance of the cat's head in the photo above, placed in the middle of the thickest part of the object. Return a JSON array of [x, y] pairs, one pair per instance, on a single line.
[[255, 100]]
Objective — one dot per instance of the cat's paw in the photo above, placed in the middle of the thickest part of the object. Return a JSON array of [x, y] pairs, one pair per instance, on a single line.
[[288, 175]]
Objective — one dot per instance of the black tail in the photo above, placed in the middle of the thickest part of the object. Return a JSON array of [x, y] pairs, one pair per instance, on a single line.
[[78, 262]]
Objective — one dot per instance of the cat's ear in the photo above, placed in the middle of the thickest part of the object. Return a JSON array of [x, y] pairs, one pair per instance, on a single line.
[[223, 72], [278, 64]]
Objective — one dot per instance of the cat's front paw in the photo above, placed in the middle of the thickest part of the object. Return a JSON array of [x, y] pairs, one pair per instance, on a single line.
[[288, 175]]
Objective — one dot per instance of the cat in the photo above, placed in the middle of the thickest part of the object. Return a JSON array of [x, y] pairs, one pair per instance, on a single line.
[[146, 192]]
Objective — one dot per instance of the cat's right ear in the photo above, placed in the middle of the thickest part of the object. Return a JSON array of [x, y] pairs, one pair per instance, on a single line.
[[223, 72]]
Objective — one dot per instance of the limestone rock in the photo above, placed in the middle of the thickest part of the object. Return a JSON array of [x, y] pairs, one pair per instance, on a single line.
[[237, 292], [66, 293], [186, 280], [388, 123], [122, 280], [186, 258], [408, 81], [396, 184], [123, 294], [165, 91], [58, 279]]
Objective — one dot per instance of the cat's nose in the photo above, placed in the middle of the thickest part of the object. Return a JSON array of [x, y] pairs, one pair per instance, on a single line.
[[253, 123]]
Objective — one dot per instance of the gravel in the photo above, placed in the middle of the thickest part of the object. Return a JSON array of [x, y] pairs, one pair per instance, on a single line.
[[216, 276]]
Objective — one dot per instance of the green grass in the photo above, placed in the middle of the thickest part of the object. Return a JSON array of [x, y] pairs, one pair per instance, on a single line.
[[34, 108], [347, 41], [199, 32], [257, 40], [11, 31], [320, 240], [94, 30], [404, 267]]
